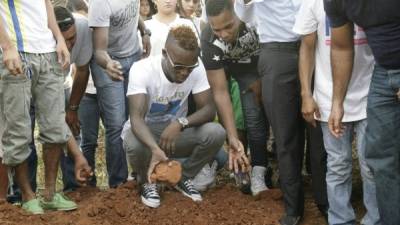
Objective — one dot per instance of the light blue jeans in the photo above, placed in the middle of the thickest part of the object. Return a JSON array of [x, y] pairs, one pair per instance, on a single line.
[[339, 176], [114, 111]]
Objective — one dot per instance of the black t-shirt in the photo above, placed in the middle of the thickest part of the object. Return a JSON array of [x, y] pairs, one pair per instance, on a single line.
[[241, 56], [380, 20]]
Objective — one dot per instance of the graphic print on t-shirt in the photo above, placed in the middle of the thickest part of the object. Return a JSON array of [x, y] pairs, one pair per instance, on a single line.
[[163, 108], [124, 16], [359, 35], [245, 47]]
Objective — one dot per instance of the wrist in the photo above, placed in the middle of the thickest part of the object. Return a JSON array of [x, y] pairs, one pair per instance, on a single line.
[[73, 108]]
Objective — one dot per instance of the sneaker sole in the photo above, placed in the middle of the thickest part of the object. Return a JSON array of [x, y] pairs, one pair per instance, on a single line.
[[189, 196], [258, 192], [149, 203], [63, 209]]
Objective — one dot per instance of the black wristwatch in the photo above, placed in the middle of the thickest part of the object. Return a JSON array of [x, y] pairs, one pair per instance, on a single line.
[[146, 32]]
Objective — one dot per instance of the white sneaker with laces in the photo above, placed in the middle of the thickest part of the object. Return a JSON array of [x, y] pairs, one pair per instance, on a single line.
[[206, 177], [257, 180]]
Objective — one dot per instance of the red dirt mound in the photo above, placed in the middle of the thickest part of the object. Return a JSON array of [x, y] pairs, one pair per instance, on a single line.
[[224, 204]]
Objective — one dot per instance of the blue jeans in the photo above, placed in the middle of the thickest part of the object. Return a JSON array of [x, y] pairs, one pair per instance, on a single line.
[[383, 141], [113, 108], [339, 176], [89, 117]]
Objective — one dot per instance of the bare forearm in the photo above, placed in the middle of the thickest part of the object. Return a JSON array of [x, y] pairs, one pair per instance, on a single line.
[[307, 64], [79, 85], [143, 133], [141, 26], [5, 41], [342, 56], [52, 22], [225, 112]]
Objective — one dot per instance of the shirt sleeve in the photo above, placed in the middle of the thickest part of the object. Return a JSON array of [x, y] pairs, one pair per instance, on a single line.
[[137, 79], [99, 13], [335, 11], [86, 51], [306, 20], [212, 56], [201, 83], [245, 12]]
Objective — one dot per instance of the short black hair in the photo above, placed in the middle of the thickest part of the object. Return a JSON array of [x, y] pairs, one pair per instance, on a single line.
[[77, 5], [184, 36], [216, 7], [64, 18]]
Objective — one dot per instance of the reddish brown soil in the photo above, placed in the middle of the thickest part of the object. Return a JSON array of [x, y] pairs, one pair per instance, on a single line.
[[223, 204]]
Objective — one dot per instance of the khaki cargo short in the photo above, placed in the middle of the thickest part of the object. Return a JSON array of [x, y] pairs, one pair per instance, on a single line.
[[42, 81]]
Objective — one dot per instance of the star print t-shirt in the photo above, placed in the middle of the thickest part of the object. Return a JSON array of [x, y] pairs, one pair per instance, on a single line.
[[167, 100], [237, 57]]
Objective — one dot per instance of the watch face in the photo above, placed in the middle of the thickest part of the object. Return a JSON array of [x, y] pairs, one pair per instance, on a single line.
[[183, 121]]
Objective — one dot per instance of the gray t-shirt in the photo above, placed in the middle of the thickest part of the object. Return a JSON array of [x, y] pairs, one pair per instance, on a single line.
[[83, 49], [121, 17]]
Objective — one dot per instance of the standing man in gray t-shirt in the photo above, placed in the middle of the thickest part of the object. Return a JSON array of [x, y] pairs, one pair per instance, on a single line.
[[116, 48]]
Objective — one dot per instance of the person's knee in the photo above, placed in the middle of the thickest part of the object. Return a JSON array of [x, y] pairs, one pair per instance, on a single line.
[[214, 133]]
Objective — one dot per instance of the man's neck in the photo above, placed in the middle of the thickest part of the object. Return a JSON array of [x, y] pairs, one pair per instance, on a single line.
[[166, 18]]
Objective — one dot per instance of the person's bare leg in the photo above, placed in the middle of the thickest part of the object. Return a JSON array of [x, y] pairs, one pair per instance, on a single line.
[[21, 177], [51, 158], [3, 181]]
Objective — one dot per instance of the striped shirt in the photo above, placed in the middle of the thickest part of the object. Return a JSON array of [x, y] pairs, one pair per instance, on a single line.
[[26, 24]]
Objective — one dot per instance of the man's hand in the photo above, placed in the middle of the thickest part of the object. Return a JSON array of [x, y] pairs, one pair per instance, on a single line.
[[157, 156], [169, 136], [398, 94], [82, 170], [256, 88], [237, 158], [146, 45], [73, 121], [335, 120], [63, 54], [12, 61], [309, 108], [114, 70]]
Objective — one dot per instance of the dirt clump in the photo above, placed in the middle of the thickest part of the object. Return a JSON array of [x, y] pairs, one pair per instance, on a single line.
[[169, 172]]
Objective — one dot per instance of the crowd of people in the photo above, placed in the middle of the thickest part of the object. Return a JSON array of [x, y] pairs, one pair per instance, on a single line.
[[202, 82]]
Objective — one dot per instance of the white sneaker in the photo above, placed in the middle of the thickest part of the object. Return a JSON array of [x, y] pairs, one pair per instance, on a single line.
[[206, 177], [257, 180]]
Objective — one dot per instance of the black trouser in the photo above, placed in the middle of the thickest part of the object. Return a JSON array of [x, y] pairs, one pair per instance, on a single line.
[[278, 64], [315, 145]]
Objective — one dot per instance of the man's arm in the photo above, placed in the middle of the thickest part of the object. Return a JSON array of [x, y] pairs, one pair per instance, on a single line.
[[245, 10], [78, 89], [62, 50], [306, 71], [145, 38], [103, 59], [342, 56], [11, 59], [219, 87], [138, 104]]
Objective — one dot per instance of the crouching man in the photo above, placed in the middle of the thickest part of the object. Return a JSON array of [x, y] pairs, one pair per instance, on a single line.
[[158, 127]]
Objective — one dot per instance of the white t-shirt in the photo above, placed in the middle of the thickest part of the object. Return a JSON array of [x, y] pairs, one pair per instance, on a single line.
[[311, 18], [121, 17], [26, 24], [159, 32], [167, 101]]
